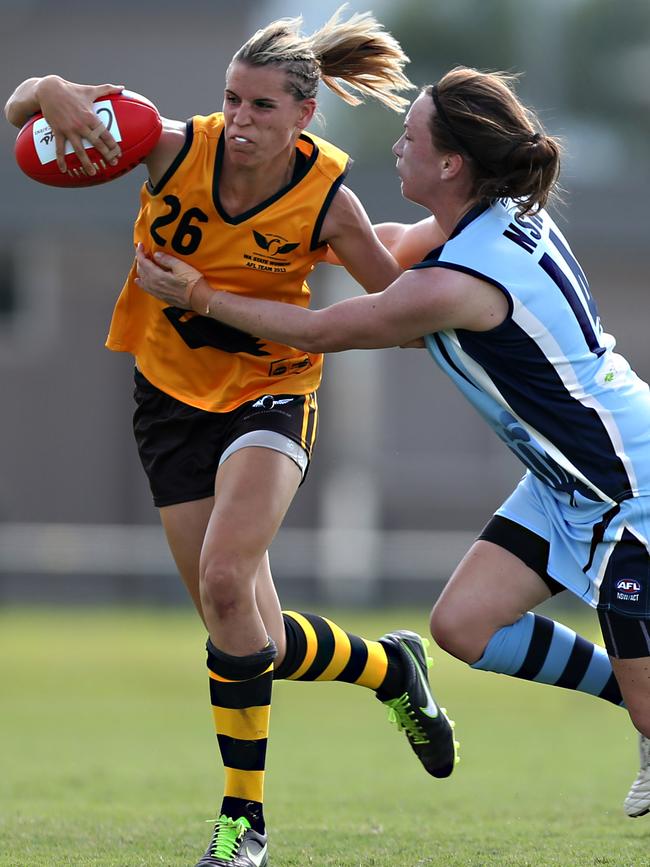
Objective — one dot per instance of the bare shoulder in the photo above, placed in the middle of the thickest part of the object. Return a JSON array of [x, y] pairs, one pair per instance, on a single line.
[[167, 149]]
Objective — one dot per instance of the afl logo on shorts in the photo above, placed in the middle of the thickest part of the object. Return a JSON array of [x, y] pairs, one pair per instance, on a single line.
[[628, 589], [628, 585]]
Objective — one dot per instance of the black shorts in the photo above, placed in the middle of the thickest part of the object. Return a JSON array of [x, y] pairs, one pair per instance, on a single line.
[[625, 636], [181, 446]]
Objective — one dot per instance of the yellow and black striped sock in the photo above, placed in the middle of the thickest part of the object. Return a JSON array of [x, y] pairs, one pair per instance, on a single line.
[[240, 694], [318, 649]]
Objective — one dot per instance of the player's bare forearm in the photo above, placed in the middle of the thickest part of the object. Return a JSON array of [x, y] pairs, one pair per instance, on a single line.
[[395, 316], [282, 323], [177, 283]]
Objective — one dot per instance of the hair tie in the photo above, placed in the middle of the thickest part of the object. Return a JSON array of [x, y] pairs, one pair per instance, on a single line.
[[535, 138]]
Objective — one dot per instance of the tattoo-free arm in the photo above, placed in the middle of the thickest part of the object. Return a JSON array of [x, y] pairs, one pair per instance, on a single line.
[[417, 303]]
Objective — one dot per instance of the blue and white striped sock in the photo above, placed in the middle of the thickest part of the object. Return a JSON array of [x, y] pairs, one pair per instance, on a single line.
[[539, 649]]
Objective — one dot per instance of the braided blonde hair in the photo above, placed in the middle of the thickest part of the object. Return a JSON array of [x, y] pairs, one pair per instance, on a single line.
[[358, 53]]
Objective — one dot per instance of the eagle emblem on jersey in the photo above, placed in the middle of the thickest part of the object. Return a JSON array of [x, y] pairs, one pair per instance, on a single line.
[[199, 331], [274, 245]]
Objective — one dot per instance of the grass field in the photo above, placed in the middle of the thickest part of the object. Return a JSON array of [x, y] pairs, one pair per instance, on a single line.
[[108, 759]]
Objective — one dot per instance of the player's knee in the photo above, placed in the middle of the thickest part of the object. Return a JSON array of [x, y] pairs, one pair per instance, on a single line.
[[450, 632], [224, 589]]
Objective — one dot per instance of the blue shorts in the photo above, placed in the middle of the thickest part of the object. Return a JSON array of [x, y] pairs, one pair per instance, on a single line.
[[598, 551]]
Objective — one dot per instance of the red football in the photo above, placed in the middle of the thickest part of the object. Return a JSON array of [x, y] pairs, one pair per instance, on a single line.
[[133, 121]]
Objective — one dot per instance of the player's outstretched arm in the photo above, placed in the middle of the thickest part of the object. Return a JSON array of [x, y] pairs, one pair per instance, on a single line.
[[67, 108], [418, 302], [408, 243]]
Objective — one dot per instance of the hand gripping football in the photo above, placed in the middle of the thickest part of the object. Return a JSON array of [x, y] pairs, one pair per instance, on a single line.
[[133, 121]]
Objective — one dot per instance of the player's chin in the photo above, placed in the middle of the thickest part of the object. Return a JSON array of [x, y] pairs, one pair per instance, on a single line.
[[404, 187], [244, 155]]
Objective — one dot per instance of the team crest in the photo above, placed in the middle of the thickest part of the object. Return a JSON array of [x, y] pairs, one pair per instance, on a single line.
[[270, 253], [275, 245]]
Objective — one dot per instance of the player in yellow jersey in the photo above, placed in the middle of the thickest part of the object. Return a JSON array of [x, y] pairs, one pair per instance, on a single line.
[[225, 422]]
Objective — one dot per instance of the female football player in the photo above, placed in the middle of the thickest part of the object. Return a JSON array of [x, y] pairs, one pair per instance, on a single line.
[[508, 315], [226, 422]]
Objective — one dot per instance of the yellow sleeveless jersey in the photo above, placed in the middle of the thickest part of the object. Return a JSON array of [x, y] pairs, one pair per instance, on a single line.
[[266, 252]]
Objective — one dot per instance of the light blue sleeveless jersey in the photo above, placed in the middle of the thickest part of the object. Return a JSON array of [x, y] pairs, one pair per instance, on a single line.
[[547, 379]]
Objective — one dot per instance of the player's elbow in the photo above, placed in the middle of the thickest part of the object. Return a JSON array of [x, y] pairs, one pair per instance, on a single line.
[[11, 113], [320, 336]]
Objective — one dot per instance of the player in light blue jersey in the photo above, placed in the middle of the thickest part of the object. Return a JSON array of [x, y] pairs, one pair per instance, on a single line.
[[508, 315]]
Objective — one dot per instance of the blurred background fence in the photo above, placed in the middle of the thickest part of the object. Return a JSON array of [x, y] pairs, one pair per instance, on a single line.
[[404, 474]]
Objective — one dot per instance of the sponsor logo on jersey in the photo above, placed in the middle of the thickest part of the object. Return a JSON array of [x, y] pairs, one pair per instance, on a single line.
[[628, 589], [289, 365], [270, 254]]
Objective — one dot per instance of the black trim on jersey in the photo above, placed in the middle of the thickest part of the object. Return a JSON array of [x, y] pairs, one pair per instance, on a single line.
[[178, 159], [452, 266], [241, 218], [320, 219], [300, 166], [469, 217], [431, 256]]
